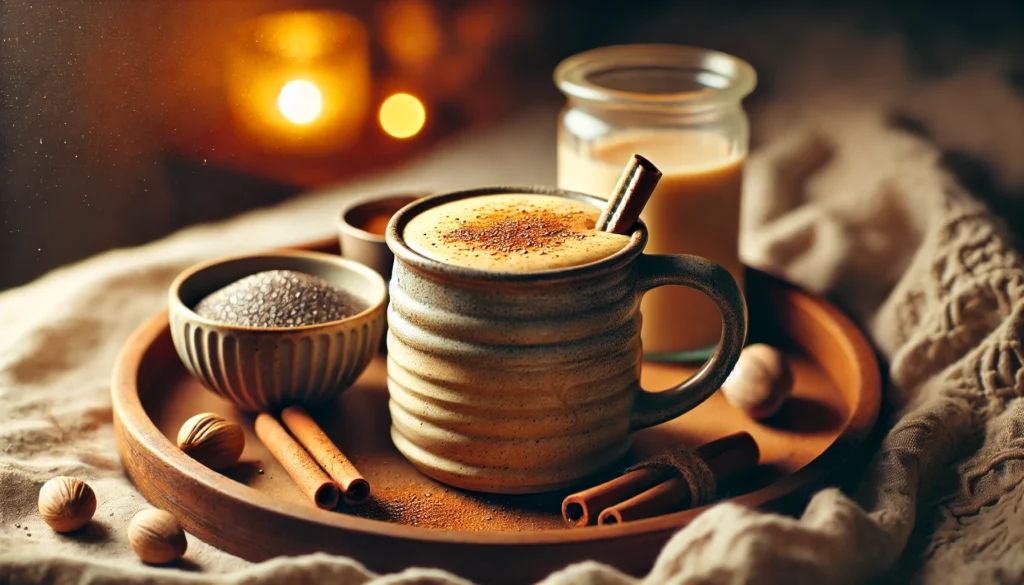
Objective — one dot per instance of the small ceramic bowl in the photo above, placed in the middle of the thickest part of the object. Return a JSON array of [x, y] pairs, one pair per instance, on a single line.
[[361, 228], [265, 368]]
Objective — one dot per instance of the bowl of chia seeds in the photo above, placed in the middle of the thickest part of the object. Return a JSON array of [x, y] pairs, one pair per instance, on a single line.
[[278, 328]]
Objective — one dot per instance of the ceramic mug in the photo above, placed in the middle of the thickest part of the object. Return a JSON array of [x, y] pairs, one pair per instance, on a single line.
[[511, 382]]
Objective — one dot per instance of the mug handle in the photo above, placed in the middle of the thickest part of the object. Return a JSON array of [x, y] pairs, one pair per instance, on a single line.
[[652, 408]]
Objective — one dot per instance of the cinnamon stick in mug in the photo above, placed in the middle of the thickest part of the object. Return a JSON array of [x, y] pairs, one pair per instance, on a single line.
[[354, 487], [312, 480], [631, 194]]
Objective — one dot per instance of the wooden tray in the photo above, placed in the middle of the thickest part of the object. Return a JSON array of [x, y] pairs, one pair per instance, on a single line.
[[254, 511]]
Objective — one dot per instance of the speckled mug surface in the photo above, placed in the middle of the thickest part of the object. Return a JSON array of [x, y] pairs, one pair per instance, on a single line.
[[513, 382]]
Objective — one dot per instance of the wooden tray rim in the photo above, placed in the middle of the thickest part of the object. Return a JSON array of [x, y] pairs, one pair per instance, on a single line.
[[136, 426]]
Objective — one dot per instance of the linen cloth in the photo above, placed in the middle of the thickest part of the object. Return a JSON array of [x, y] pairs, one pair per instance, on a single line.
[[838, 200]]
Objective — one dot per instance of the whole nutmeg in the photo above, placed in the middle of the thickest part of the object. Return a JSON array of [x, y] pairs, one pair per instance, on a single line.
[[156, 537], [760, 382], [66, 503], [211, 440]]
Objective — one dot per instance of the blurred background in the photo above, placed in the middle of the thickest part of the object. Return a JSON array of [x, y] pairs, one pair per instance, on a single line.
[[121, 121]]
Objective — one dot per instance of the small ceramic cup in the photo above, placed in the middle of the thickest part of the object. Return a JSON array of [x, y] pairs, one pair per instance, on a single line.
[[362, 225], [512, 382], [265, 368]]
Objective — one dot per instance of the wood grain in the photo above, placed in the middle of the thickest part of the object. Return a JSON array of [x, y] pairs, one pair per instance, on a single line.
[[486, 538]]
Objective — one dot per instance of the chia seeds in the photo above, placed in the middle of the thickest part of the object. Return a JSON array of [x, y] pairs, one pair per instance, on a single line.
[[278, 298]]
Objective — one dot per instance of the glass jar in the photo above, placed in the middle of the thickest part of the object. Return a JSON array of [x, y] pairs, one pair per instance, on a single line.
[[680, 107]]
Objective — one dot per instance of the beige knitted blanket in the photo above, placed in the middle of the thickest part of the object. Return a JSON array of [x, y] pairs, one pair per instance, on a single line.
[[839, 202]]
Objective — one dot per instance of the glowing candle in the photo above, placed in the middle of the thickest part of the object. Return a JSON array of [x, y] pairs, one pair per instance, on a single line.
[[300, 81], [300, 101]]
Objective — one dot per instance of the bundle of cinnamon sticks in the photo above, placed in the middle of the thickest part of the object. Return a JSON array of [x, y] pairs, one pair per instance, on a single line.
[[651, 491], [314, 462]]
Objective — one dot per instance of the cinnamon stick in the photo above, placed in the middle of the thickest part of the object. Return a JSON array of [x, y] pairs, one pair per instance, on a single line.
[[312, 480], [354, 487], [659, 486], [726, 458], [668, 496], [581, 509], [629, 197]]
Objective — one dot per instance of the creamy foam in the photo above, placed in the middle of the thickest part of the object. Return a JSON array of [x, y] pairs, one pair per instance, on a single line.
[[515, 232]]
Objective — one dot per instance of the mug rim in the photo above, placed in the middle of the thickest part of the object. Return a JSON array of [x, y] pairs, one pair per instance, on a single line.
[[409, 257]]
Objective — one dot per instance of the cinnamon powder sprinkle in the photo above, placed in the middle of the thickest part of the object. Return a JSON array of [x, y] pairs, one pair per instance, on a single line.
[[445, 508], [506, 230]]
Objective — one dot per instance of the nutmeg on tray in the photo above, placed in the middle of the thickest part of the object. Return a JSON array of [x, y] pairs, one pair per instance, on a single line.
[[760, 382], [211, 440]]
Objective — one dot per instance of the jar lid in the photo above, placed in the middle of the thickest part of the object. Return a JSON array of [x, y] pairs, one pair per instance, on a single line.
[[657, 75]]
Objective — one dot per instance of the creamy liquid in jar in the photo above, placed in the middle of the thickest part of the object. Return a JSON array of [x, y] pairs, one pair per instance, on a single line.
[[515, 232], [694, 210]]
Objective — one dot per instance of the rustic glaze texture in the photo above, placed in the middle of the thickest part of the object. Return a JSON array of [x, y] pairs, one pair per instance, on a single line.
[[262, 369], [528, 382]]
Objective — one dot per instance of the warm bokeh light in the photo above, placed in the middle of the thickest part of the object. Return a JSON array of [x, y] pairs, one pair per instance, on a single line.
[[411, 33], [299, 82], [298, 36], [402, 115], [300, 101]]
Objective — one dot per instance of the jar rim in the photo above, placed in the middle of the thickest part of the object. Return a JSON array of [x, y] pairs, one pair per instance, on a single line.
[[719, 77]]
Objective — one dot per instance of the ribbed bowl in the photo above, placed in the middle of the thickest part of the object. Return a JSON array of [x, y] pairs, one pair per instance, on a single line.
[[261, 369]]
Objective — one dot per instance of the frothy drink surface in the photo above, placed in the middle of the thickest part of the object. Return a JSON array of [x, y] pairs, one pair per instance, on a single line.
[[512, 233]]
